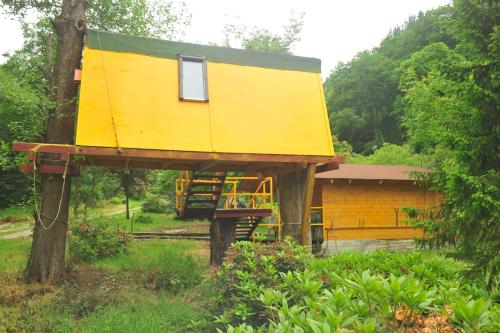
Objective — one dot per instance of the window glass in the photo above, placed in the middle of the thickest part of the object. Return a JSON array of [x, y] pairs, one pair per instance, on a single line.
[[193, 79]]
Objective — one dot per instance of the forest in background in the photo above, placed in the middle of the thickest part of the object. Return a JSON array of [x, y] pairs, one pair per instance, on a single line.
[[426, 95]]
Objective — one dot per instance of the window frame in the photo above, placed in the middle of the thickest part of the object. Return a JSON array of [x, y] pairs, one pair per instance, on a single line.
[[201, 60]]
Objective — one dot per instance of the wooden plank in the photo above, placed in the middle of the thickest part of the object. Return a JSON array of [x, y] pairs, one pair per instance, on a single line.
[[170, 154], [240, 213], [50, 169], [331, 165], [373, 233]]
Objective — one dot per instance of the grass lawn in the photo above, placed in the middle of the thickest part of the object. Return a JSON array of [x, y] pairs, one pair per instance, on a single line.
[[13, 253], [17, 211], [154, 221], [157, 287]]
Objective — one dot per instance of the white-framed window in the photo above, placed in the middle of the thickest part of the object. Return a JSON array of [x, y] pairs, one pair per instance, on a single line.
[[193, 79]]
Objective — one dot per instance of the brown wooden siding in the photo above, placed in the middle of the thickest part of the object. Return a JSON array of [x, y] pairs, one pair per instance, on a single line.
[[367, 209]]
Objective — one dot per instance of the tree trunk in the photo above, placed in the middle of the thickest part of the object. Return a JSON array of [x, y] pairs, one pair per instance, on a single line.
[[127, 209], [295, 195], [46, 262], [222, 235]]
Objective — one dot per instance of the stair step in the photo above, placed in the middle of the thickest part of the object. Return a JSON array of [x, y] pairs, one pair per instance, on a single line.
[[201, 201], [198, 176], [217, 185], [205, 192]]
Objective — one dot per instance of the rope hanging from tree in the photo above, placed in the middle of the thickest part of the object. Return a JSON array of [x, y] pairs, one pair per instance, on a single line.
[[38, 214]]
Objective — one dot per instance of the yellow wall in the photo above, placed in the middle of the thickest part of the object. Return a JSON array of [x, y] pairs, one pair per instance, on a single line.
[[371, 204], [250, 109]]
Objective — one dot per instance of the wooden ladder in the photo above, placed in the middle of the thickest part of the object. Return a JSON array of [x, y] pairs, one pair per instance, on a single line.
[[246, 226]]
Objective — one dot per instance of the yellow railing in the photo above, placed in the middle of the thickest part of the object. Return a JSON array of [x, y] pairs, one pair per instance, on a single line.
[[317, 209], [262, 197]]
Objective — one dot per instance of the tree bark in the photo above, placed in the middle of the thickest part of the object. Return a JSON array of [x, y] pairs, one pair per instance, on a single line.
[[295, 195], [46, 261], [222, 235]]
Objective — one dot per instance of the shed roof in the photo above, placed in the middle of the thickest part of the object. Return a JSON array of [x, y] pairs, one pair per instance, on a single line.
[[370, 171], [169, 49]]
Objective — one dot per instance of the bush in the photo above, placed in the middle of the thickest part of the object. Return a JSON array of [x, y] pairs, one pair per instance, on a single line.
[[173, 271], [290, 292], [250, 268], [144, 219], [154, 204], [102, 239], [116, 201]]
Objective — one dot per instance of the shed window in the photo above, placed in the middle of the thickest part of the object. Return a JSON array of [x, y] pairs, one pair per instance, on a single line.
[[193, 79]]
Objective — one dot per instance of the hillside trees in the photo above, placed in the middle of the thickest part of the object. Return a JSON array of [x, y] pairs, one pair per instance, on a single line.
[[452, 110], [363, 95]]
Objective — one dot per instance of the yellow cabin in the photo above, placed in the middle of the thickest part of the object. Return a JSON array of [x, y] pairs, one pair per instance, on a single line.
[[361, 206], [142, 93]]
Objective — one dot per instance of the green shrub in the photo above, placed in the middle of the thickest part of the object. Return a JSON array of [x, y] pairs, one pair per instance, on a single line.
[[173, 271], [154, 204], [401, 292], [248, 270], [101, 239], [116, 201], [144, 219]]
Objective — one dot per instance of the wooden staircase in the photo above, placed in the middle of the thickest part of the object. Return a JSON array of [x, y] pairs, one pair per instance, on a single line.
[[246, 226], [202, 195]]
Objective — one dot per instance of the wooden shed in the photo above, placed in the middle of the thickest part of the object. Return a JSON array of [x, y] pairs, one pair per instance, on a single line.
[[364, 202]]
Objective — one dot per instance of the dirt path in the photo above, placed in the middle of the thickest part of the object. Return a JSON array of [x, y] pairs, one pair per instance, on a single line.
[[19, 227], [121, 210]]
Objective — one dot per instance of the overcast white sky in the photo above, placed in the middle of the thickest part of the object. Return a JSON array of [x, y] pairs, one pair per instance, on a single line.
[[334, 30]]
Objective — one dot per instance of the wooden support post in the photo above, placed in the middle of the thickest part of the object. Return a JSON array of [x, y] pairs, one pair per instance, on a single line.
[[308, 195], [222, 235], [295, 194]]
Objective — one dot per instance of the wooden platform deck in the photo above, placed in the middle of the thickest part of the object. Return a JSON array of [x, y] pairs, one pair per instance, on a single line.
[[242, 213], [175, 160]]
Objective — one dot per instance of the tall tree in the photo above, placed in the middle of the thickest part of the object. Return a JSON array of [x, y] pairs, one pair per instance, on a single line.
[[260, 39], [58, 41], [365, 90], [46, 261], [452, 110]]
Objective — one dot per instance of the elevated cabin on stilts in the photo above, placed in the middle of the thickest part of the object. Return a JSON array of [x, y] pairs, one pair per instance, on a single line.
[[149, 103]]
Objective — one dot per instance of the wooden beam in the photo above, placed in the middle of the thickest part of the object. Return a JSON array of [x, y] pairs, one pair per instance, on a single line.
[[203, 166], [169, 154], [52, 169], [306, 216], [166, 164], [330, 166]]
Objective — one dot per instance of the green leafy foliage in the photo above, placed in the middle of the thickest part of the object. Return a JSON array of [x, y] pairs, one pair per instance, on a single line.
[[391, 154], [351, 292], [363, 96], [99, 240], [155, 204], [451, 97], [21, 109], [144, 219], [264, 40]]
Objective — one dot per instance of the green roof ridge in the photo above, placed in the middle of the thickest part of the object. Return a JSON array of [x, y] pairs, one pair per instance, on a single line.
[[168, 49]]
